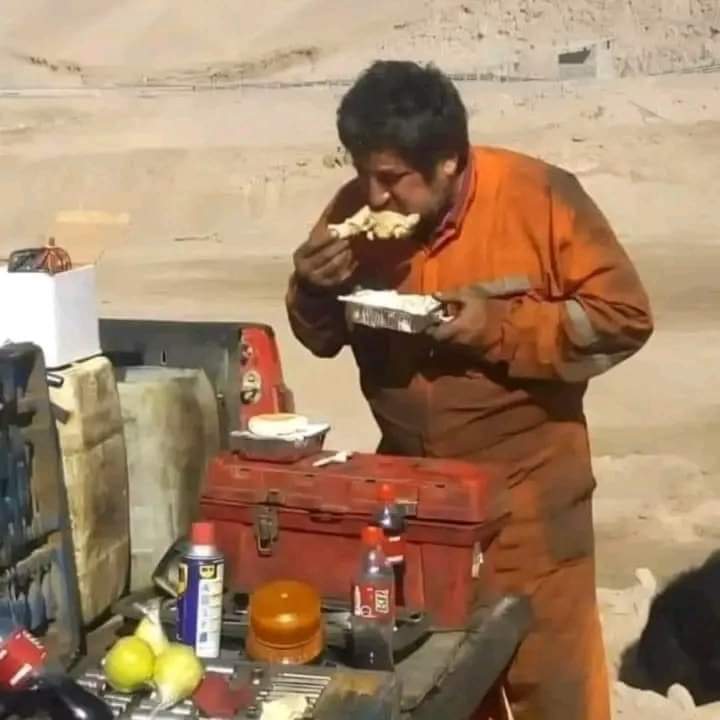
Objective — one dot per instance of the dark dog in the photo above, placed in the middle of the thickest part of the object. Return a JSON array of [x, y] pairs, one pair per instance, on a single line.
[[681, 641]]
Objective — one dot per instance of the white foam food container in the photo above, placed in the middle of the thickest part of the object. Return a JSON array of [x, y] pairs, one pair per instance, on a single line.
[[59, 313]]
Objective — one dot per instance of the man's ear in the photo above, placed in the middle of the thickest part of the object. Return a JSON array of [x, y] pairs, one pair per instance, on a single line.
[[449, 167]]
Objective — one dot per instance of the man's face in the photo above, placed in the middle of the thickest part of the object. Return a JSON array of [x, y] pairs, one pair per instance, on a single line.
[[391, 184]]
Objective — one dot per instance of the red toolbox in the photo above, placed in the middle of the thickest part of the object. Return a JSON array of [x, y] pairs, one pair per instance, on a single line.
[[302, 522]]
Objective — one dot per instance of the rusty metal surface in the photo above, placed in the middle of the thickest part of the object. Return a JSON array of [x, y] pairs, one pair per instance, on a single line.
[[450, 675], [331, 693]]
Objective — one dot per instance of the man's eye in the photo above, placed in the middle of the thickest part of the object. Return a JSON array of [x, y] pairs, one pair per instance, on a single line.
[[390, 178]]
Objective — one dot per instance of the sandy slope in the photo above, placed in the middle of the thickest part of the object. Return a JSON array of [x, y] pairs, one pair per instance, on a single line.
[[177, 40], [245, 170]]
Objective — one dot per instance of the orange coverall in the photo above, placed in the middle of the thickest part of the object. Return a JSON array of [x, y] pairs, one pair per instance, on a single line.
[[564, 304]]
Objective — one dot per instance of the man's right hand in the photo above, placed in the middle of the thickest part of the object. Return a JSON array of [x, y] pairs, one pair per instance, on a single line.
[[324, 262]]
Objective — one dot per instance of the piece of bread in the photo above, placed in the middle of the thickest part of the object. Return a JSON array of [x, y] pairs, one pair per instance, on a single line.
[[277, 424], [383, 225]]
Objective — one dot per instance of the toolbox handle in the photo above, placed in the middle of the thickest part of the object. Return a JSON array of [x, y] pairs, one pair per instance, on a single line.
[[333, 509], [325, 516]]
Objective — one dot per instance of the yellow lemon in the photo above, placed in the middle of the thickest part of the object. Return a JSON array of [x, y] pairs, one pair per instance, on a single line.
[[177, 673], [129, 664]]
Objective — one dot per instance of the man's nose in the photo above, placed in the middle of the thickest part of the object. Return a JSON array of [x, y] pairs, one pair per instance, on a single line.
[[378, 196]]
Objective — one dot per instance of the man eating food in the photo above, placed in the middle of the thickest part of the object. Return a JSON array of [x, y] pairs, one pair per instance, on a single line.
[[544, 298]]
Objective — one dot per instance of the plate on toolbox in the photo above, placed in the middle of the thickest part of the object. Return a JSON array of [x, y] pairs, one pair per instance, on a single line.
[[283, 449]]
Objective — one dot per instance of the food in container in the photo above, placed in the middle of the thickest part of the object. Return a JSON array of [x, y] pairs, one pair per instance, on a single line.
[[277, 424], [279, 437], [391, 310], [381, 225]]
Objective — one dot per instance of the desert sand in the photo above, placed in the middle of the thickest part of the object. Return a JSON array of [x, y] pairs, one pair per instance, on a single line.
[[206, 133]]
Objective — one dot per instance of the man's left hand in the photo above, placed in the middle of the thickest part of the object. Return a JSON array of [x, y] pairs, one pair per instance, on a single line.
[[468, 310]]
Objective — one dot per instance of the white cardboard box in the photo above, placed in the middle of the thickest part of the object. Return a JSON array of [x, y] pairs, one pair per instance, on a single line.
[[57, 312]]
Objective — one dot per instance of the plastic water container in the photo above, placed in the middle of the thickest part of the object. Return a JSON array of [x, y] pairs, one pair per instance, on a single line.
[[171, 427], [92, 445]]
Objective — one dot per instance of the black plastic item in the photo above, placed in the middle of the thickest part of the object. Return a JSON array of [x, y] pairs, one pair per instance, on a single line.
[[166, 575], [50, 259], [412, 627], [38, 577], [491, 641], [25, 260], [58, 697]]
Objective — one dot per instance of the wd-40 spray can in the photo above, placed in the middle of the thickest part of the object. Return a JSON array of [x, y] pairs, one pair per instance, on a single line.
[[200, 600]]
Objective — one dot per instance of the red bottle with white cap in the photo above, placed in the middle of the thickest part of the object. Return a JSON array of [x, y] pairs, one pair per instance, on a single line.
[[391, 518], [373, 616]]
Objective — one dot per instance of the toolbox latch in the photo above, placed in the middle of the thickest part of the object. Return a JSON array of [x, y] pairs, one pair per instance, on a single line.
[[409, 507], [266, 529]]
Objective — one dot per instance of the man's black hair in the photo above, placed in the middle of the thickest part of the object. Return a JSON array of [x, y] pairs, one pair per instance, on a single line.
[[412, 110]]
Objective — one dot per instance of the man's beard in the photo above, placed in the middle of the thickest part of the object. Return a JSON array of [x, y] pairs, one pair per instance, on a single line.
[[430, 222]]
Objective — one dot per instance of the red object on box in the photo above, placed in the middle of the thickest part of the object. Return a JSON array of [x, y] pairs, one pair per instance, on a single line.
[[21, 657], [304, 523], [214, 697]]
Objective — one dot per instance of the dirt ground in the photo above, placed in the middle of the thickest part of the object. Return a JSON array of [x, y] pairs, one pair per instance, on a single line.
[[219, 190], [213, 162]]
